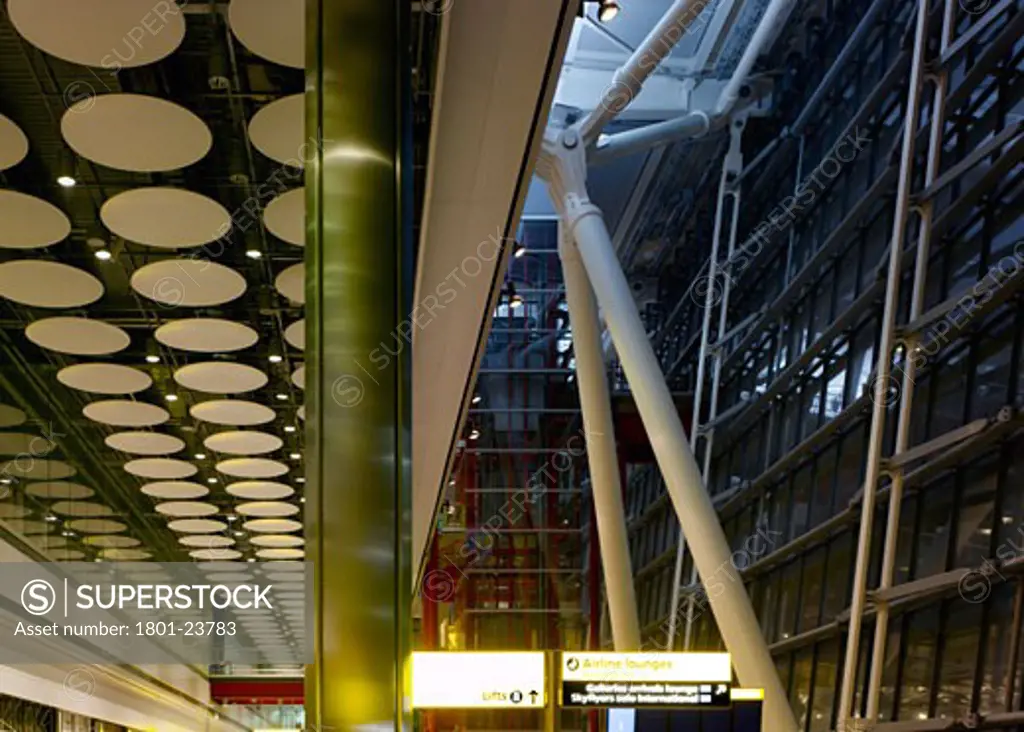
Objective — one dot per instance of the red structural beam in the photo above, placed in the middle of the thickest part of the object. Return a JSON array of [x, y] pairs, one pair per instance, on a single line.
[[257, 691]]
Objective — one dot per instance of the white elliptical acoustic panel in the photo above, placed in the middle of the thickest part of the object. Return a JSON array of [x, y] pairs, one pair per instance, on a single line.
[[267, 509], [104, 378], [302, 412], [44, 543], [190, 509], [37, 469], [215, 554], [233, 412], [135, 132], [252, 468], [175, 490], [13, 144], [220, 377], [99, 33], [196, 526], [145, 443], [295, 334], [280, 553], [59, 490], [206, 335], [277, 540], [77, 336], [165, 218], [65, 555], [42, 284], [24, 444], [206, 541], [260, 490], [13, 511], [97, 526], [81, 509], [161, 468], [285, 217], [278, 130], [30, 527], [271, 29], [11, 416], [30, 222], [272, 526], [194, 283], [116, 554], [112, 542], [243, 442], [299, 377], [125, 413], [292, 283]]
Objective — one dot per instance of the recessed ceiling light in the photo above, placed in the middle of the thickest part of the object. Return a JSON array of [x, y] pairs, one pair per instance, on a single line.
[[51, 518], [103, 254], [200, 456], [6, 481], [66, 181], [250, 559], [275, 359], [171, 397], [289, 428], [211, 480], [477, 399], [283, 397], [67, 534], [238, 533], [302, 500], [518, 250], [152, 359], [300, 479], [295, 456], [474, 434], [230, 517], [253, 253], [608, 10]]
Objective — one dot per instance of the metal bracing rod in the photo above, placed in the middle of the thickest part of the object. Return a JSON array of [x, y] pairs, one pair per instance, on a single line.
[[906, 393], [563, 165], [646, 138], [602, 459], [767, 29], [882, 369]]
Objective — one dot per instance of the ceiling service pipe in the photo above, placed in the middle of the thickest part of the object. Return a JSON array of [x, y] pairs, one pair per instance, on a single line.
[[630, 77], [774, 16]]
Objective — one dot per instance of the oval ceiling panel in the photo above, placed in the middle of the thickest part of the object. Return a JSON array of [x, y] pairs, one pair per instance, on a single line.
[[25, 444], [190, 283], [77, 336], [59, 490], [285, 217], [66, 555], [125, 555], [302, 412], [112, 542], [271, 29], [260, 490], [299, 377], [272, 526], [243, 442], [42, 284], [295, 334], [13, 144], [215, 554], [206, 541], [278, 130], [37, 469], [277, 540], [292, 283], [252, 468], [145, 443], [135, 132], [280, 553], [161, 468], [165, 218], [175, 490], [196, 526], [30, 222], [206, 335], [125, 413], [11, 416], [220, 377], [233, 412], [13, 511], [267, 509], [30, 527], [186, 508], [99, 33], [97, 526], [104, 378], [81, 509]]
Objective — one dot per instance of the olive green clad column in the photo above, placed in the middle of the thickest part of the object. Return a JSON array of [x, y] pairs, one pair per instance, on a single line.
[[358, 243]]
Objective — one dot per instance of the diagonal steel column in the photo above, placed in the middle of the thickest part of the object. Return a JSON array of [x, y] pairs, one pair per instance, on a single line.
[[358, 285]]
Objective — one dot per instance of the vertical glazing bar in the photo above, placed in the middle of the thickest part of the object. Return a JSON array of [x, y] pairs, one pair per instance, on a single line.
[[357, 290]]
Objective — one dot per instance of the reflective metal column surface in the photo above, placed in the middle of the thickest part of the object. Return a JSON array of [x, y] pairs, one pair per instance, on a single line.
[[357, 260]]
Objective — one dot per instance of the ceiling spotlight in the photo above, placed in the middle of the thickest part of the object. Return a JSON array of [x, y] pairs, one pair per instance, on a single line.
[[302, 499], [289, 428], [238, 533], [171, 397], [477, 399], [250, 559], [103, 254], [518, 250], [608, 10], [67, 534], [52, 519], [253, 253], [300, 479], [152, 359], [200, 456], [283, 397], [211, 480], [66, 181], [474, 434], [451, 482], [276, 359], [6, 481], [295, 456], [230, 517]]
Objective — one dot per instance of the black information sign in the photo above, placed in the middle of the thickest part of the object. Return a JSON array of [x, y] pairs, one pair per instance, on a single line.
[[644, 694]]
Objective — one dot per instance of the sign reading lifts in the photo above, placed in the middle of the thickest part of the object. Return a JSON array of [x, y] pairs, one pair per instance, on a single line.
[[478, 680]]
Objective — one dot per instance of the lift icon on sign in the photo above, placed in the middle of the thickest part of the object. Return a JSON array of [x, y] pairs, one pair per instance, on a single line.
[[516, 696]]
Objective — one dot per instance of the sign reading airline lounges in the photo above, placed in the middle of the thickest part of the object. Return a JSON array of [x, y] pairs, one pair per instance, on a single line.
[[645, 680]]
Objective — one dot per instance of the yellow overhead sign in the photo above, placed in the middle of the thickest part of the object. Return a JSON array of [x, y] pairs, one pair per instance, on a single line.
[[708, 667], [453, 680]]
